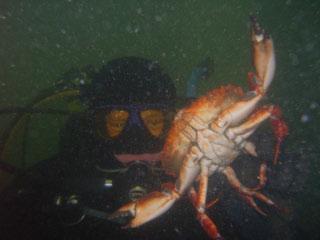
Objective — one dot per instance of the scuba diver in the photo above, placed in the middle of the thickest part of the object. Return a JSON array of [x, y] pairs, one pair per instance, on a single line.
[[109, 155]]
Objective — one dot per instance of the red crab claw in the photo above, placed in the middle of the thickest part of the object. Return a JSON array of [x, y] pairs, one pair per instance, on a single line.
[[263, 58], [280, 130], [145, 209]]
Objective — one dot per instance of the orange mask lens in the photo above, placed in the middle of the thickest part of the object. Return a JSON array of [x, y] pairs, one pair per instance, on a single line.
[[154, 121], [115, 122]]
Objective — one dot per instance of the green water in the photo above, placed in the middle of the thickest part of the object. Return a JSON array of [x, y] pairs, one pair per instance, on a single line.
[[42, 39]]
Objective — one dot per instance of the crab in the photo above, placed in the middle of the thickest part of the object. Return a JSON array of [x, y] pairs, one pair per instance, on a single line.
[[208, 135]]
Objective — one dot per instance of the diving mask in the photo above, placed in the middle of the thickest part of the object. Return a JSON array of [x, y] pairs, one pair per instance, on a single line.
[[115, 119]]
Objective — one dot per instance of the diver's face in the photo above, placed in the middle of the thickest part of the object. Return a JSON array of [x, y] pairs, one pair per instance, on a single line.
[[134, 128]]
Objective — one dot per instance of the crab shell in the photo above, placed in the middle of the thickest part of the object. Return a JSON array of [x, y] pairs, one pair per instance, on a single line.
[[199, 115]]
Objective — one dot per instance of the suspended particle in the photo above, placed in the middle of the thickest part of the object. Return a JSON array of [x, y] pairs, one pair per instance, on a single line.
[[158, 18], [314, 105], [139, 10], [305, 118]]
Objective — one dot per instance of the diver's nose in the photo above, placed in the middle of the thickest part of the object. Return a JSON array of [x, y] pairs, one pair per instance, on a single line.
[[134, 120]]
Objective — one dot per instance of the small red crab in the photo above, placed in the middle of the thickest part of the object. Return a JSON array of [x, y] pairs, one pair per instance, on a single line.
[[207, 137]]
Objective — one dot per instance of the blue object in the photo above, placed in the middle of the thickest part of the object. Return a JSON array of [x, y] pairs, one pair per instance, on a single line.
[[200, 72], [196, 74]]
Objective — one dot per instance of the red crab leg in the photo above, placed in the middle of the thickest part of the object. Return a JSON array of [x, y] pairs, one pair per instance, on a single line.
[[280, 130], [279, 126], [207, 224], [203, 187], [235, 113], [246, 129], [262, 176], [246, 193], [249, 126]]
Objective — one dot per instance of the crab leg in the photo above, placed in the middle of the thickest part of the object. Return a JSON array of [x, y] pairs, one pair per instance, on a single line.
[[247, 193], [250, 124], [235, 114], [199, 201], [203, 186], [207, 224], [250, 149], [262, 177], [280, 130], [240, 133], [279, 126], [189, 170]]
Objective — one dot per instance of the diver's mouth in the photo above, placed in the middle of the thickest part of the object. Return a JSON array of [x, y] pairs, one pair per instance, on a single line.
[[148, 157]]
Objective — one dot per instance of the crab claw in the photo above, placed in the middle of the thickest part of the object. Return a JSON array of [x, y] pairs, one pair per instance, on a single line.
[[263, 57], [145, 209]]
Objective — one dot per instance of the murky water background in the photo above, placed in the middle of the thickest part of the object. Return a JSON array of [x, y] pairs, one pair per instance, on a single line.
[[40, 40]]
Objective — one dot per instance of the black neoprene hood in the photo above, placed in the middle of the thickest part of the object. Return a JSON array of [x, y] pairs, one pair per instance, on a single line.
[[130, 80]]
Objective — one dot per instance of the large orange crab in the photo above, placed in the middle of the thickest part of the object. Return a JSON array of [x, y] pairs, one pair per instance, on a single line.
[[207, 136]]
